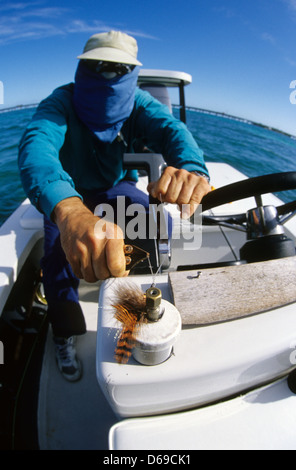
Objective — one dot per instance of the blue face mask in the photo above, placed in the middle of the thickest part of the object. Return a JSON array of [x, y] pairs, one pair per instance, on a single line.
[[104, 104]]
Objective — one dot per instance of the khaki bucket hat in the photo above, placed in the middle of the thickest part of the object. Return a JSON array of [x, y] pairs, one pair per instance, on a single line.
[[113, 46]]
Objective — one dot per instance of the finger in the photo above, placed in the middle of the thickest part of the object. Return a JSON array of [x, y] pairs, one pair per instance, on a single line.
[[100, 267], [86, 265], [185, 193], [108, 256], [196, 198], [75, 262], [88, 271], [158, 188], [115, 257], [174, 191], [76, 269], [187, 210]]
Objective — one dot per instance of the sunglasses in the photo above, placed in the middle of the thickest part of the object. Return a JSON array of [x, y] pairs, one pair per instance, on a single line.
[[102, 67]]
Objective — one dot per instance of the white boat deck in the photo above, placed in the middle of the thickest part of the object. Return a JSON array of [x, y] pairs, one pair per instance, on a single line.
[[74, 416]]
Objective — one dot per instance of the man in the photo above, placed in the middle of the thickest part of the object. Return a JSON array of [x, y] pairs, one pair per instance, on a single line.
[[70, 160]]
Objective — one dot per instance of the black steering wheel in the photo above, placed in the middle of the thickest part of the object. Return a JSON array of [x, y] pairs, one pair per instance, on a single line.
[[251, 187], [263, 224]]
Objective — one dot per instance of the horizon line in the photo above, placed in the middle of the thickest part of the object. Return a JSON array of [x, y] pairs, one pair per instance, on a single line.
[[189, 108]]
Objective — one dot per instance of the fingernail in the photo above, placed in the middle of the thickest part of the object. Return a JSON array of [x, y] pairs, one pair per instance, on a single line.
[[185, 212]]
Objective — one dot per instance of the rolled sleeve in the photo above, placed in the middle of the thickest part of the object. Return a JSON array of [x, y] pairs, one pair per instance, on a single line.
[[53, 193]]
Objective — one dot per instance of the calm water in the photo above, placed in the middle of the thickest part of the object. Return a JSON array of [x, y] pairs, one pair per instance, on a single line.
[[249, 148]]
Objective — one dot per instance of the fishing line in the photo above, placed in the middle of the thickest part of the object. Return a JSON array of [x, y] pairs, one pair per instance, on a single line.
[[172, 242]]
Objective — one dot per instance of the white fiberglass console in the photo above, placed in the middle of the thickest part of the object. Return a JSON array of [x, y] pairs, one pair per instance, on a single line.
[[208, 363]]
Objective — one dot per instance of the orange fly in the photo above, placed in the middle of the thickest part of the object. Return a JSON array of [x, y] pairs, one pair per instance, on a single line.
[[130, 311]]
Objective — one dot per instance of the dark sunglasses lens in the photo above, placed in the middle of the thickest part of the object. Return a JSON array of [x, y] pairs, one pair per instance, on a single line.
[[91, 64], [111, 67], [122, 69]]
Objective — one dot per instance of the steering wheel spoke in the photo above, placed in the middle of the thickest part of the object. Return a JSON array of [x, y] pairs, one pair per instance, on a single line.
[[236, 222]]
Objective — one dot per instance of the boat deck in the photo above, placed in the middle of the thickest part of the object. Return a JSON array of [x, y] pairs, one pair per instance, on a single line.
[[74, 415]]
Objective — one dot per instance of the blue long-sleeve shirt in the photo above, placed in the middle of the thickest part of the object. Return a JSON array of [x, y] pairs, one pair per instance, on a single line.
[[59, 157]]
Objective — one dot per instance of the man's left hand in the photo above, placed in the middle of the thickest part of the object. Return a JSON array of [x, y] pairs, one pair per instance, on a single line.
[[179, 186]]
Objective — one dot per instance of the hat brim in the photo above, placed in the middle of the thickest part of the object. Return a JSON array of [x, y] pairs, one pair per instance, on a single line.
[[110, 54]]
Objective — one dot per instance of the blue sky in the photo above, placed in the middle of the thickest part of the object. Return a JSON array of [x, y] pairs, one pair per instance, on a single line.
[[240, 53]]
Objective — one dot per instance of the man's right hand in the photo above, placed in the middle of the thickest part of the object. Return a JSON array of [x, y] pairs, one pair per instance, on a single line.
[[91, 257]]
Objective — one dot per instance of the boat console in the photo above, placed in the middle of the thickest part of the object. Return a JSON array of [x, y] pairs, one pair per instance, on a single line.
[[238, 319]]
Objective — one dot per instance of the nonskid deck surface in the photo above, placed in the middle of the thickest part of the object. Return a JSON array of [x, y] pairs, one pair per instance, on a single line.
[[74, 415]]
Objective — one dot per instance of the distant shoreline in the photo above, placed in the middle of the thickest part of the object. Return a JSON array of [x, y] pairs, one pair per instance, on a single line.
[[236, 118], [190, 108], [18, 107]]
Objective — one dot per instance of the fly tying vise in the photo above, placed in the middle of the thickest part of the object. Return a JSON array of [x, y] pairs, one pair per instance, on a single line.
[[129, 306], [133, 308], [134, 255], [150, 324]]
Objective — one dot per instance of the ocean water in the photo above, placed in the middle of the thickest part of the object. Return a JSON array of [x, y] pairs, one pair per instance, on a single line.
[[12, 125], [252, 149]]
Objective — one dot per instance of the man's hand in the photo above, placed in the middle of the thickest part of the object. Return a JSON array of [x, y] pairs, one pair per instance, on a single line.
[[180, 187], [91, 257]]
